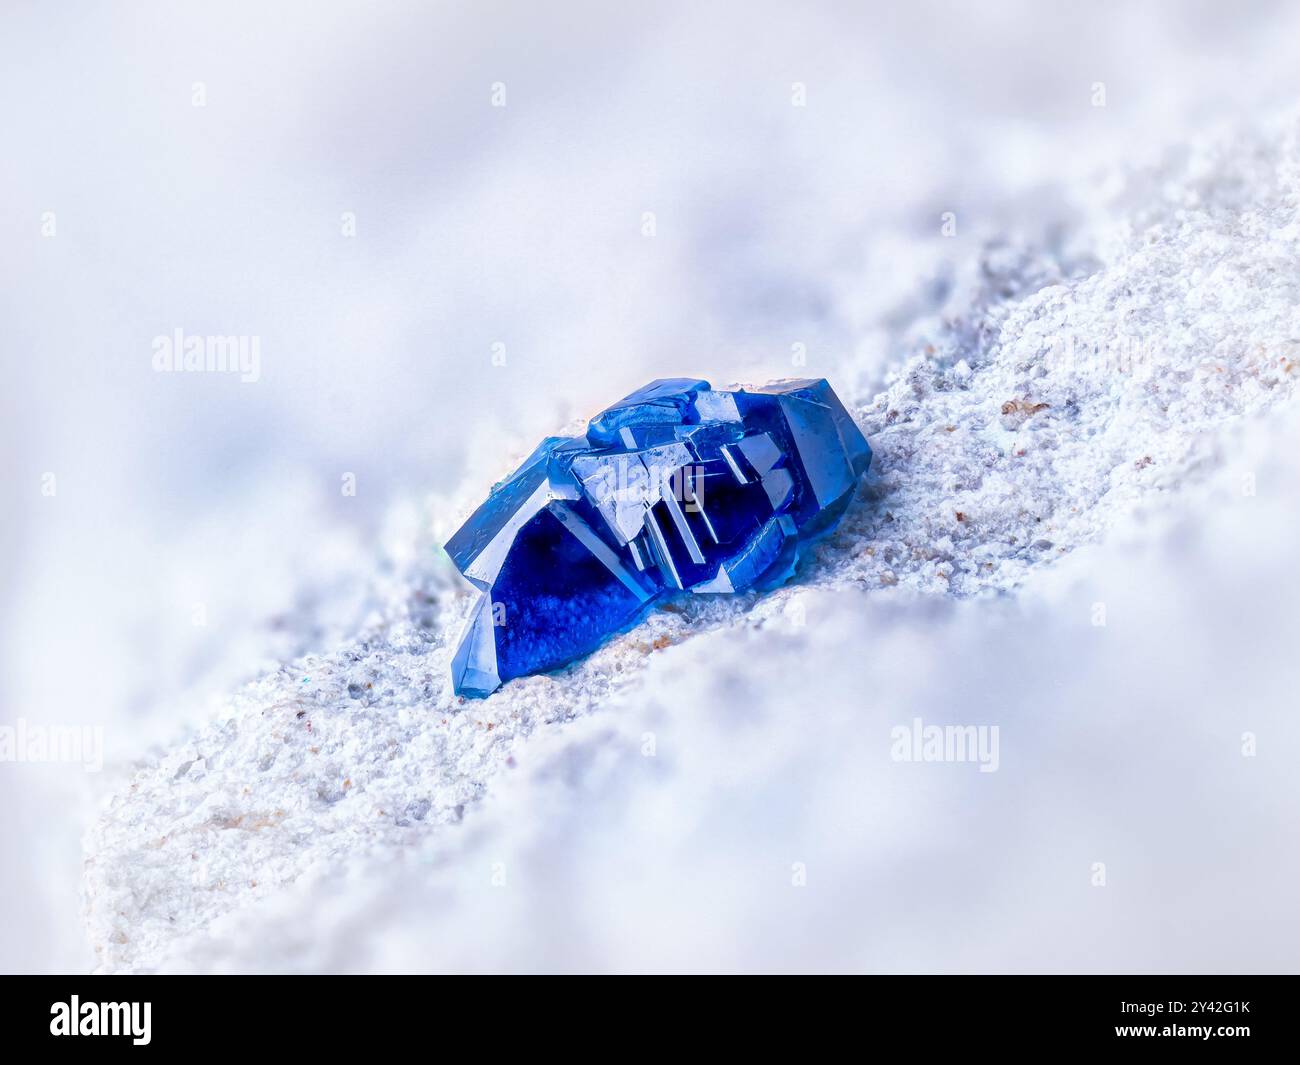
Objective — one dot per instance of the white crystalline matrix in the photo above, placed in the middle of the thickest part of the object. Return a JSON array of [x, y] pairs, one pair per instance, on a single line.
[[1049, 396]]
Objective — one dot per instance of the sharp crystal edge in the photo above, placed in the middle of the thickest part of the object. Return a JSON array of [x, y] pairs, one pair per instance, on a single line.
[[676, 488]]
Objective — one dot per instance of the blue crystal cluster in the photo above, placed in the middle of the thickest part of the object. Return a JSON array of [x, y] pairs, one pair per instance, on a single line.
[[676, 488]]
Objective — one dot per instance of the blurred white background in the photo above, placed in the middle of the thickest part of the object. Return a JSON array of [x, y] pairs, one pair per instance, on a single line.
[[476, 225]]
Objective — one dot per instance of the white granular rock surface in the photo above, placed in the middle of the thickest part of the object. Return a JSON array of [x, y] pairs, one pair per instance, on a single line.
[[1052, 392]]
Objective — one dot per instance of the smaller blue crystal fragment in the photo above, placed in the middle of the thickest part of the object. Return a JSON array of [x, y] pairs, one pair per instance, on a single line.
[[676, 488]]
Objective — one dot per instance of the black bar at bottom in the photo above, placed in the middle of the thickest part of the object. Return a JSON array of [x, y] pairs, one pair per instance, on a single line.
[[339, 1015]]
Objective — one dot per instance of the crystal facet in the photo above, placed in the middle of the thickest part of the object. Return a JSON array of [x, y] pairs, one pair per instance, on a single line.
[[677, 488]]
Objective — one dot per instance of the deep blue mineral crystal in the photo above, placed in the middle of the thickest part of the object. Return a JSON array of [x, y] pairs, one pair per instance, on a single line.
[[677, 488]]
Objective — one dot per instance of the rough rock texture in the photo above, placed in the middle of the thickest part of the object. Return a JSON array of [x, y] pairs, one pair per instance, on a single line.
[[316, 821]]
